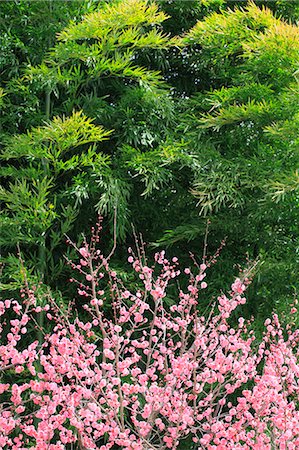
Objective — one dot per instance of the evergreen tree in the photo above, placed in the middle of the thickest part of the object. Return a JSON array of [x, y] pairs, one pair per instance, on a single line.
[[27, 32], [198, 102], [53, 181], [236, 122]]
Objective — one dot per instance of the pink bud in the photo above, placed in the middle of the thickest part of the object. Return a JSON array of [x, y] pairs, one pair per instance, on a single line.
[[83, 252]]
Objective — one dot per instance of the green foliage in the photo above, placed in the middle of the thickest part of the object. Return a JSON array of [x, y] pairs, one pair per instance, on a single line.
[[62, 176], [27, 32], [114, 200], [37, 208], [183, 15], [1, 98], [188, 233], [252, 57], [28, 29], [201, 97], [104, 44]]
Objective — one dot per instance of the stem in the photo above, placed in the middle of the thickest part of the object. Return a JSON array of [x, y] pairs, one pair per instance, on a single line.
[[98, 312], [42, 252], [121, 399], [42, 247], [114, 234], [205, 245], [48, 104], [45, 166], [149, 355]]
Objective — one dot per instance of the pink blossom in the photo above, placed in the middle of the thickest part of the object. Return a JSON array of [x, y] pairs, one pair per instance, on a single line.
[[147, 373], [83, 252]]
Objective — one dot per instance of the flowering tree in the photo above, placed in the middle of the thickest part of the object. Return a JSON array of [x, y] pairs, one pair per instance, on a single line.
[[145, 375]]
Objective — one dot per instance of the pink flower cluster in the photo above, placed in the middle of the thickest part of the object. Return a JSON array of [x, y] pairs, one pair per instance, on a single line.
[[150, 372]]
